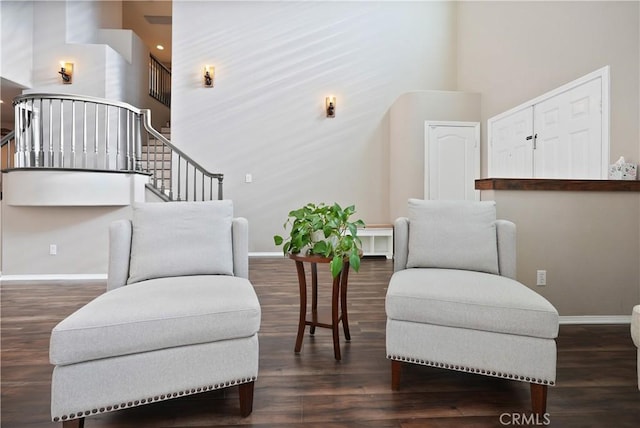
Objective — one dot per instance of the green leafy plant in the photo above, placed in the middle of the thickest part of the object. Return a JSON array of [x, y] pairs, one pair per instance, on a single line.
[[324, 230]]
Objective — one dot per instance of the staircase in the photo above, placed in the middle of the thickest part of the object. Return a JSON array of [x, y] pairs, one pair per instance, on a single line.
[[7, 148], [72, 132], [155, 158]]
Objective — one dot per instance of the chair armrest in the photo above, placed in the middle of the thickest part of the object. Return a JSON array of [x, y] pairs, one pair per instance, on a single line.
[[240, 240], [635, 328], [506, 231], [400, 243], [119, 253]]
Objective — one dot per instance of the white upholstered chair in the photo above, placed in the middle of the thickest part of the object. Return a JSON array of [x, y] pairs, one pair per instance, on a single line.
[[635, 334], [179, 316], [453, 301]]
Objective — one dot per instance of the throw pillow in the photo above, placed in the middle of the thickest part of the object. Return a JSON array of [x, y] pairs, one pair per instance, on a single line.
[[453, 235], [181, 238]]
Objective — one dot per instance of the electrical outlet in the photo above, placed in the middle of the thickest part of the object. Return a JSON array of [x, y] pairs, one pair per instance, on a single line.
[[53, 250], [541, 277], [248, 178]]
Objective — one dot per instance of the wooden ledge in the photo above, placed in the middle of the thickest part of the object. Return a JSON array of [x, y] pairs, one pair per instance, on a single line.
[[556, 184]]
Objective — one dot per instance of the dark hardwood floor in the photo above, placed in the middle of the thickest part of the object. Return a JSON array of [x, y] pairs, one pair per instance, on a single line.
[[596, 382]]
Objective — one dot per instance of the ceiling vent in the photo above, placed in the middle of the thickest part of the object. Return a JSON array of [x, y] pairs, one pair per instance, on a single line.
[[158, 19]]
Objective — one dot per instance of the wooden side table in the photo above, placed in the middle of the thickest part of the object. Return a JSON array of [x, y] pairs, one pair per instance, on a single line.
[[338, 301]]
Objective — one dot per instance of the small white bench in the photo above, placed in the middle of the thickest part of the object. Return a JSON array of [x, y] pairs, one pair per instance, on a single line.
[[377, 240]]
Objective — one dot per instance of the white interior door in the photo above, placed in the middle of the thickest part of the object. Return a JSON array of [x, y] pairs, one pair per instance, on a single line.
[[512, 145], [569, 134], [452, 160], [561, 134]]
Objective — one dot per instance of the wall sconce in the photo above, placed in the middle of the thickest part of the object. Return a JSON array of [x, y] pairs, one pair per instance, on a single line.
[[330, 105], [66, 72], [209, 75]]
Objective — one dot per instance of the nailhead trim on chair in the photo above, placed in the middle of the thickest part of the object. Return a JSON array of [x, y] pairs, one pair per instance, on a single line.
[[471, 370], [156, 398]]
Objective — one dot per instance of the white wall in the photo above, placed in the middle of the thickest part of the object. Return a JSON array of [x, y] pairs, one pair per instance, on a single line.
[[108, 62], [71, 210], [80, 233], [16, 49], [85, 18], [50, 48], [586, 241], [407, 140], [127, 78], [514, 51], [275, 63], [71, 31]]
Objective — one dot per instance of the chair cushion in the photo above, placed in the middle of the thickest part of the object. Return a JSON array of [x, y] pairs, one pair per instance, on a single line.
[[466, 299], [635, 328], [189, 238], [453, 235], [157, 314]]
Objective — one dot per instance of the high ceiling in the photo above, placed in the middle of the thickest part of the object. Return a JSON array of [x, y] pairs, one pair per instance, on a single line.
[[150, 20]]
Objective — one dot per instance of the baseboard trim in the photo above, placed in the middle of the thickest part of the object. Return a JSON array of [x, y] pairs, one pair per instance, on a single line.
[[595, 319], [55, 277], [266, 254]]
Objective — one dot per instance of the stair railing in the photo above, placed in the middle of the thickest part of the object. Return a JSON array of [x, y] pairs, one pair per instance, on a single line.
[[159, 81], [7, 145], [58, 131]]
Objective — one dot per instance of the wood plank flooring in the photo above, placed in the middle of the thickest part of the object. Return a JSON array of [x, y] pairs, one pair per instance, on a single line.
[[596, 382]]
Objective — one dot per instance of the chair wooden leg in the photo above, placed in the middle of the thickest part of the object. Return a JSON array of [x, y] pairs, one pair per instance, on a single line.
[[538, 398], [396, 371], [246, 398], [74, 423]]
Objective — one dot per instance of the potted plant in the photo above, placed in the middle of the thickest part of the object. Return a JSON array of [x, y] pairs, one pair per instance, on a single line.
[[324, 230]]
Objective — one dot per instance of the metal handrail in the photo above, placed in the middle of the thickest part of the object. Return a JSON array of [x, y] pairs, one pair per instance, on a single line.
[[5, 140], [43, 139], [159, 81], [146, 115]]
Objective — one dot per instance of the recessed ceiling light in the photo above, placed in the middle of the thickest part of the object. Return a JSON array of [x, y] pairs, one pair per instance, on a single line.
[[160, 47]]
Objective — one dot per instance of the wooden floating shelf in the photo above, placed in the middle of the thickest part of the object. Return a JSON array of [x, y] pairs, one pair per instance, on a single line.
[[557, 184]]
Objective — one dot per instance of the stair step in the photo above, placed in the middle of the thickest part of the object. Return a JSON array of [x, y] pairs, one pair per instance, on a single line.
[[158, 154], [156, 144], [153, 156], [158, 183], [159, 168]]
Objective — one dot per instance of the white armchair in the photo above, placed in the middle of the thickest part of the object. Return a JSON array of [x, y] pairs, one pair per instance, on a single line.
[[453, 301], [635, 334], [179, 316]]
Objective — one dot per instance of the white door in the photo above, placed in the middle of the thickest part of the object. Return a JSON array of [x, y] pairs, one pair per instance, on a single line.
[[511, 143], [452, 160], [569, 134], [561, 134]]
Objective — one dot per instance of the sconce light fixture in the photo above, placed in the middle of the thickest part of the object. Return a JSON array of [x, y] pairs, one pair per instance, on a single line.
[[209, 75], [66, 72], [330, 106]]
